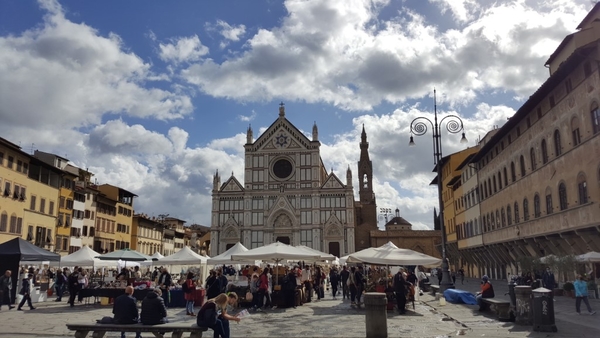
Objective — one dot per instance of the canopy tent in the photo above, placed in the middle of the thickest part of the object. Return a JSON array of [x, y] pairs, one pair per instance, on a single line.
[[322, 255], [19, 250], [84, 257], [343, 260], [390, 254], [184, 256], [590, 257], [126, 255], [225, 257], [548, 259], [157, 255]]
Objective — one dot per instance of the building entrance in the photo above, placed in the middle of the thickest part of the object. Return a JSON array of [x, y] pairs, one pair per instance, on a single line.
[[334, 248], [284, 240]]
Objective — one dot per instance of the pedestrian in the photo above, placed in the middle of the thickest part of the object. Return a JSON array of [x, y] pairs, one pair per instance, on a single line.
[[344, 276], [439, 275], [59, 284], [289, 289], [581, 293], [352, 286], [461, 273], [400, 285], [318, 278], [359, 280], [548, 280], [26, 292], [188, 287], [164, 283], [5, 289], [73, 286], [334, 280], [453, 275]]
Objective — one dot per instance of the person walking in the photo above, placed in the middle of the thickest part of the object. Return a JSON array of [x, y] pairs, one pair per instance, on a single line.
[[188, 287], [400, 285], [5, 289], [26, 293], [461, 273], [73, 286], [334, 280], [318, 279], [344, 276], [581, 293], [59, 284], [359, 280]]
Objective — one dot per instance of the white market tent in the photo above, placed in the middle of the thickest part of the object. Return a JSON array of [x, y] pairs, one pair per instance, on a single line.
[[84, 257], [323, 256], [184, 256], [390, 254], [590, 257], [225, 257], [157, 255], [275, 252]]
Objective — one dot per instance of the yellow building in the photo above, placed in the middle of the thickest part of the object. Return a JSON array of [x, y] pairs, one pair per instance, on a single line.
[[176, 225], [106, 220], [146, 235], [14, 186], [123, 216]]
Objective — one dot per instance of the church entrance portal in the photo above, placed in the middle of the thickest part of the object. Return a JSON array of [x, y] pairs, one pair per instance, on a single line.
[[334, 248], [229, 246], [284, 240]]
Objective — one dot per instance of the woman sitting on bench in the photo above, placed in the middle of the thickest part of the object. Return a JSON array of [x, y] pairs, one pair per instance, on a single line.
[[213, 314], [487, 291]]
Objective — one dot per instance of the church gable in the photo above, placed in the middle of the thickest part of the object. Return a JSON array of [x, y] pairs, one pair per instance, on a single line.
[[232, 184], [282, 135], [332, 182], [282, 203]]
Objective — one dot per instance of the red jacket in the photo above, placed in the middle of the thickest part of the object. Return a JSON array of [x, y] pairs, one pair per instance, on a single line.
[[264, 282]]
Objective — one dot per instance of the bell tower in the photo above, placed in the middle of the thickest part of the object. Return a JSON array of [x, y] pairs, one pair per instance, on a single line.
[[367, 206]]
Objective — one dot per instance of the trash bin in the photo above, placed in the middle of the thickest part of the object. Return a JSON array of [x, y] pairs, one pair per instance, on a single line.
[[543, 310], [376, 315], [523, 312]]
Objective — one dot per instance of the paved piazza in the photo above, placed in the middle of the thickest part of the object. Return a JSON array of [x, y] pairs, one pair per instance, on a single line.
[[328, 318]]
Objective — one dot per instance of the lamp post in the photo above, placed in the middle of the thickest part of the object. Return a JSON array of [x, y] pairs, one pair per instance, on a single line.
[[385, 213], [419, 127]]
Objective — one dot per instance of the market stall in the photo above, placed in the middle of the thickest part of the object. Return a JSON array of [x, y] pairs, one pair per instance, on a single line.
[[18, 250]]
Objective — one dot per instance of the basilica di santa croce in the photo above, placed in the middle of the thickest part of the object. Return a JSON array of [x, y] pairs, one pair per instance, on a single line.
[[288, 196]]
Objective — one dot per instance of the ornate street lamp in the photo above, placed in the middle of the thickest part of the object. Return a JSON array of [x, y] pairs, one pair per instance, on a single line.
[[454, 125]]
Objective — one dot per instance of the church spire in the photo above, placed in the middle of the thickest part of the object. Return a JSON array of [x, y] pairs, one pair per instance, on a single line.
[[349, 177], [249, 135], [315, 132], [216, 181], [365, 172]]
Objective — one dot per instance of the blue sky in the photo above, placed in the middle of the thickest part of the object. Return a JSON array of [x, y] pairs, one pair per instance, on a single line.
[[156, 96]]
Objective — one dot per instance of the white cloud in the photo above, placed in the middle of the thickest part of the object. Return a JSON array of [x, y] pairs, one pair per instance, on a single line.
[[65, 74], [247, 118], [341, 53], [232, 33], [183, 49]]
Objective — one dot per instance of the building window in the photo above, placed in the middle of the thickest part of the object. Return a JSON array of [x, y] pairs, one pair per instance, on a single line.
[[549, 207], [495, 190], [10, 162], [562, 196], [582, 189], [516, 213], [532, 158], [508, 216], [525, 210], [3, 221], [595, 118], [536, 206], [575, 131], [503, 215], [43, 205], [32, 203], [306, 238], [51, 208], [568, 85], [306, 217], [522, 164], [513, 174], [256, 239], [557, 145], [544, 152], [499, 180], [505, 177], [258, 218]]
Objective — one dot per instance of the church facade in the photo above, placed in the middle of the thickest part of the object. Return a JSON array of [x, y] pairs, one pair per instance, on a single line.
[[287, 195]]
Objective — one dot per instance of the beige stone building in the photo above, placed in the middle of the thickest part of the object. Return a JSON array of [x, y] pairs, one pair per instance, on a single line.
[[289, 196], [538, 175]]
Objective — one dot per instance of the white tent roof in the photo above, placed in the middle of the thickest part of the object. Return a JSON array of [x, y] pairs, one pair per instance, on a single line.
[[591, 257], [323, 256], [225, 257], [390, 254], [84, 257], [157, 255], [184, 256], [274, 252]]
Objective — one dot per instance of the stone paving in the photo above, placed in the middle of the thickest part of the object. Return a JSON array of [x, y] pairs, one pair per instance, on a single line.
[[328, 318]]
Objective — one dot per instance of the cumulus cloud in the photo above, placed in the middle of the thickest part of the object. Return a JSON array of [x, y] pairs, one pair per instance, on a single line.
[[247, 118], [341, 53], [74, 76], [183, 49]]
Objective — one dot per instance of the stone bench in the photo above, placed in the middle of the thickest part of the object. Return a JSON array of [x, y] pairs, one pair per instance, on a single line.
[[99, 330], [502, 308], [434, 289]]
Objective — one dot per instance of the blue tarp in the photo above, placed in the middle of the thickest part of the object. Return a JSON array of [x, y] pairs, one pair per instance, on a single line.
[[459, 296]]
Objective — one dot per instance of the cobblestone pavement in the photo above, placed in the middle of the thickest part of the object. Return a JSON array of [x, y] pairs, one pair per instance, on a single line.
[[328, 318]]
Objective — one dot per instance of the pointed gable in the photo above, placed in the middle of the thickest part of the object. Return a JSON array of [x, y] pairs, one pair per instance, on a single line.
[[282, 134], [232, 184], [332, 182]]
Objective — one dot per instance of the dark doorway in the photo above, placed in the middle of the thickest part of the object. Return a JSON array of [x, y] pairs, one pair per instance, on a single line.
[[229, 246], [334, 248], [284, 240]]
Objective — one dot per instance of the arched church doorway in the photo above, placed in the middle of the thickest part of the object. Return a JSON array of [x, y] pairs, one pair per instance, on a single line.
[[284, 240], [334, 248], [229, 246]]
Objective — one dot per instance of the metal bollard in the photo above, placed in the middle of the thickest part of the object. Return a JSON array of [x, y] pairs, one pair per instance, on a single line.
[[376, 314]]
